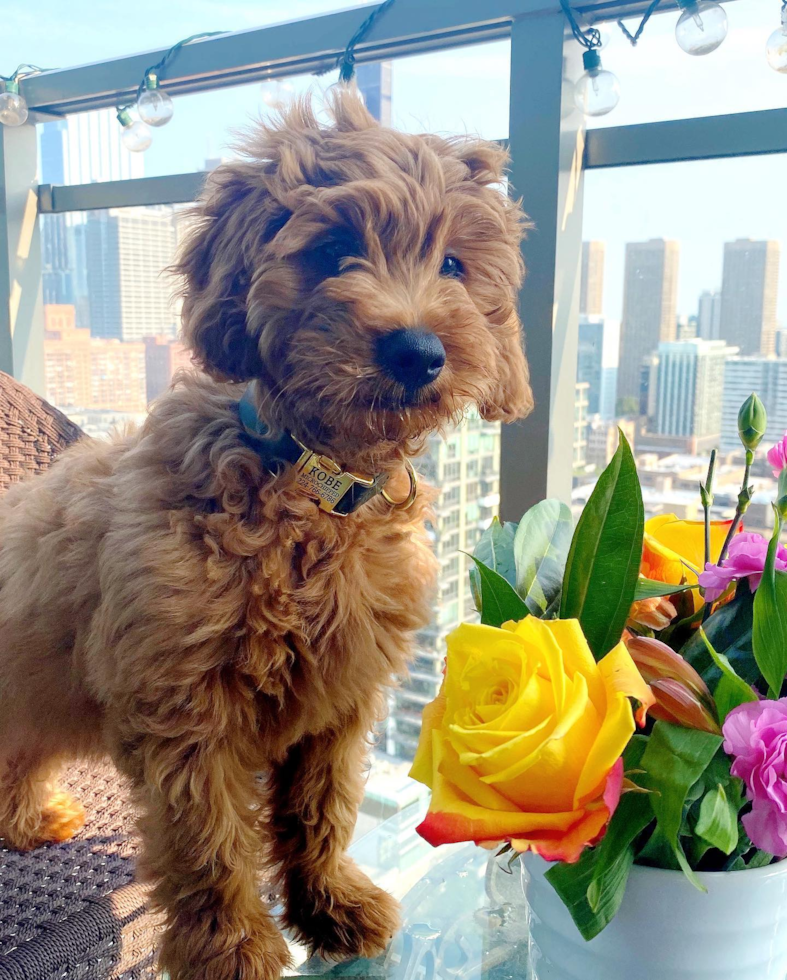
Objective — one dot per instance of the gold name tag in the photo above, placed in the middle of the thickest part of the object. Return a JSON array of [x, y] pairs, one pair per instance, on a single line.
[[320, 478]]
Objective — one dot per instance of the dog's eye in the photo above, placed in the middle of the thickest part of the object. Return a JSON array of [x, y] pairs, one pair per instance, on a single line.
[[452, 267], [326, 257]]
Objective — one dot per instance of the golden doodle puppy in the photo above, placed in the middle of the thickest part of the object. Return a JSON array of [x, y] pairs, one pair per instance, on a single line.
[[229, 590]]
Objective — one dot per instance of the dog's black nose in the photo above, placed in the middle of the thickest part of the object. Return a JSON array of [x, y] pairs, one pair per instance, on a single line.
[[414, 358]]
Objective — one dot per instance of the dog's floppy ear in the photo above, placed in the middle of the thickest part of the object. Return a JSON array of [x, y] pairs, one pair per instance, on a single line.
[[485, 161], [512, 397], [234, 219]]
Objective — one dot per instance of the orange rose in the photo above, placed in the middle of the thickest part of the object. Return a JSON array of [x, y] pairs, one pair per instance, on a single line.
[[674, 551]]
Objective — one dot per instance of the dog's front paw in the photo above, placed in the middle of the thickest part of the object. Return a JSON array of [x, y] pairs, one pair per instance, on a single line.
[[58, 821], [212, 949], [348, 916]]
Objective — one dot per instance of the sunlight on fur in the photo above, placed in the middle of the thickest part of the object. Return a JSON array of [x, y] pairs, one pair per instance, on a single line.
[[169, 602]]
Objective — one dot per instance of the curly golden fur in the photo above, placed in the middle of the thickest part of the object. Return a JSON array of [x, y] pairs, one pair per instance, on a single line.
[[165, 600]]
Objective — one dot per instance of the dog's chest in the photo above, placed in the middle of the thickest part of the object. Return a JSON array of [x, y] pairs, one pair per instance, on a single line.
[[334, 623]]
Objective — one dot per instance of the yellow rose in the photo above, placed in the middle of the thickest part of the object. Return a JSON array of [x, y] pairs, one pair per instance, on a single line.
[[672, 548], [524, 741]]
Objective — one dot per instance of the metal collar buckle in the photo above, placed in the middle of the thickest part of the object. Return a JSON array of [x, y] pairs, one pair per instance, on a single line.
[[320, 477], [324, 480]]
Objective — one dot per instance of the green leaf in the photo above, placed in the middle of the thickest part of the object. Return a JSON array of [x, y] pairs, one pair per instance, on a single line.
[[729, 630], [673, 762], [606, 552], [499, 600], [572, 881], [770, 620], [495, 548], [540, 550], [731, 689], [718, 820], [760, 859], [648, 589], [632, 816]]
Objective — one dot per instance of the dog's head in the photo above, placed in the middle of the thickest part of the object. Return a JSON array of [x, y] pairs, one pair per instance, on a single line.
[[366, 278]]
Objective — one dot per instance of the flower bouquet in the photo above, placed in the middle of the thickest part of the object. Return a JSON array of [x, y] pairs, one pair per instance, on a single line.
[[616, 720]]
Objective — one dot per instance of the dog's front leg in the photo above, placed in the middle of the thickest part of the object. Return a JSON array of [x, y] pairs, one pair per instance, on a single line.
[[315, 794], [202, 851]]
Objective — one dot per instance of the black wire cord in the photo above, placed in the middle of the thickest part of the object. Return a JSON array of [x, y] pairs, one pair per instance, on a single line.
[[346, 61], [161, 66], [30, 70], [634, 38], [591, 38]]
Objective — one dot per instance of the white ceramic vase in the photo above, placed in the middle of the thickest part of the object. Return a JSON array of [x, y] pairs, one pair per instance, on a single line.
[[666, 929]]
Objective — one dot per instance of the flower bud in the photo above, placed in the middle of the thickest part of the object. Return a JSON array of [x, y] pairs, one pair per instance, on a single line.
[[656, 613], [682, 696], [676, 704], [752, 422]]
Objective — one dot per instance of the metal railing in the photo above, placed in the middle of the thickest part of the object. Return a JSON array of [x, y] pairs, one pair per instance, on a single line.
[[550, 152]]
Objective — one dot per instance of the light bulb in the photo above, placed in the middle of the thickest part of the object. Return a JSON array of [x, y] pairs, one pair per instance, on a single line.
[[275, 93], [701, 27], [596, 91], [13, 108], [136, 135], [776, 49], [154, 106]]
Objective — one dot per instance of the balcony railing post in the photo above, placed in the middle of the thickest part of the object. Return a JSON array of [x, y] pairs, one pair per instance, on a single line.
[[546, 136], [21, 309]]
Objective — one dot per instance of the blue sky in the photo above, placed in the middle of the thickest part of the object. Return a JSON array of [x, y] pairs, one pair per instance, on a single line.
[[701, 204]]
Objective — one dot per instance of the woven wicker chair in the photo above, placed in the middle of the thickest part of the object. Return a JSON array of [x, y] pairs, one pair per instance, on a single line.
[[69, 911]]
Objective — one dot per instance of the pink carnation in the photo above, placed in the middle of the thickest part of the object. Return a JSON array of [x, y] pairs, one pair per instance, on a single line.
[[746, 559], [755, 735], [777, 456]]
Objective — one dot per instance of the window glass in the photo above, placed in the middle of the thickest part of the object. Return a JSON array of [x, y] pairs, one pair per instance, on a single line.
[[408, 93], [683, 304], [660, 81]]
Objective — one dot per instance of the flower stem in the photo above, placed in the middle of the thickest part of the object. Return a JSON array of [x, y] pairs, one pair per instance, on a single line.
[[744, 499], [706, 493]]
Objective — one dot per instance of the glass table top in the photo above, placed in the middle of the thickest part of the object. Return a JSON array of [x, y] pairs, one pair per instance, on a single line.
[[463, 912]]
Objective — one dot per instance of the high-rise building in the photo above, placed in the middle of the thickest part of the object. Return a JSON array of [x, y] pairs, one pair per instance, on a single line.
[[686, 327], [374, 82], [591, 289], [57, 262], [89, 372], [650, 294], [85, 148], [66, 358], [749, 294], [56, 253], [690, 379], [580, 446], [597, 362], [81, 149], [767, 376], [163, 357], [466, 468], [603, 438], [709, 315], [128, 252]]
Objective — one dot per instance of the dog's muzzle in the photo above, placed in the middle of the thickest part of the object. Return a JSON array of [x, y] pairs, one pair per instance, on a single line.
[[413, 358]]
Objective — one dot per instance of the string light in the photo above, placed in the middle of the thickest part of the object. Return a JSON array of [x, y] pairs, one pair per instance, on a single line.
[[136, 136], [596, 91], [151, 103], [776, 48], [13, 108], [154, 106], [701, 27]]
